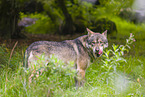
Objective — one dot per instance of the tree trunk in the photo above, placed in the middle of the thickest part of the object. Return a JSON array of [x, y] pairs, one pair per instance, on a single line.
[[9, 14], [68, 26]]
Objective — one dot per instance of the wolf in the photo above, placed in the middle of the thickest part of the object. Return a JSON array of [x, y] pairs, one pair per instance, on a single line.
[[82, 51]]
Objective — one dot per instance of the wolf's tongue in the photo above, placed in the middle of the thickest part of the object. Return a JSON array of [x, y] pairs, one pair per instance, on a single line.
[[100, 52]]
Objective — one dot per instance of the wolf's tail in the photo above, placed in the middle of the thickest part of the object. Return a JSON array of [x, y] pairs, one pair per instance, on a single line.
[[25, 62]]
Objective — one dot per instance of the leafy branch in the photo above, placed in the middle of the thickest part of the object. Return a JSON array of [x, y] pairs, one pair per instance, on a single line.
[[114, 57]]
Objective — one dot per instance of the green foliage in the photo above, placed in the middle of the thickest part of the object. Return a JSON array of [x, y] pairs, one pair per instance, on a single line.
[[114, 61], [124, 27], [83, 13], [43, 25], [115, 6], [80, 12], [57, 71], [56, 74]]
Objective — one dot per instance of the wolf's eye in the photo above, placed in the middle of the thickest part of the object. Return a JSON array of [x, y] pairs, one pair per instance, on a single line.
[[93, 43], [102, 44]]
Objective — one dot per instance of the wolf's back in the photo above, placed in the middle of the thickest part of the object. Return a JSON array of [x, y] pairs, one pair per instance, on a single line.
[[62, 50]]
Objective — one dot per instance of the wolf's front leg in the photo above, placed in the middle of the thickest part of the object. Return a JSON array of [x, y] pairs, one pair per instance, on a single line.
[[35, 74], [80, 78]]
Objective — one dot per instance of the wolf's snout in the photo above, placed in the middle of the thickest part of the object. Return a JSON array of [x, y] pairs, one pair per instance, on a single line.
[[99, 51]]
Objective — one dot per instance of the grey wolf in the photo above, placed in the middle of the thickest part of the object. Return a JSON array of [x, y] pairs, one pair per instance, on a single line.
[[81, 51]]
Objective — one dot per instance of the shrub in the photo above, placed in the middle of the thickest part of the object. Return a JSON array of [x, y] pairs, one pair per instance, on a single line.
[[43, 24]]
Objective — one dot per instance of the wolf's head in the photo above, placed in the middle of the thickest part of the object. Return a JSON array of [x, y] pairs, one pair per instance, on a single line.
[[96, 42]]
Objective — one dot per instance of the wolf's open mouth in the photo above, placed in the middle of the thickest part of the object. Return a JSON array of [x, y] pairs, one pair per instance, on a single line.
[[98, 53]]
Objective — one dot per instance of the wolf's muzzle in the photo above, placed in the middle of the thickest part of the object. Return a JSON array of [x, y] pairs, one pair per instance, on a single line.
[[97, 52]]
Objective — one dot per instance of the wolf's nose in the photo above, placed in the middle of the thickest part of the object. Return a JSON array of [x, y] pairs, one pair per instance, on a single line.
[[97, 50]]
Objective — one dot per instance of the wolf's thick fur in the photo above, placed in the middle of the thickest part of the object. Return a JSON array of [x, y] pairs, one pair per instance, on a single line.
[[80, 50]]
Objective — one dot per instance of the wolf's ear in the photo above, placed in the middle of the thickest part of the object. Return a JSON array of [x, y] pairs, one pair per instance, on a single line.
[[105, 33], [89, 32]]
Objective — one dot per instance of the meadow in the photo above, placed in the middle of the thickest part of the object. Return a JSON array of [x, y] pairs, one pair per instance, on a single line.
[[119, 72]]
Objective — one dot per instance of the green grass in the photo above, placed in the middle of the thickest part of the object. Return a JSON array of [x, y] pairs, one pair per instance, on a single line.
[[14, 83]]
